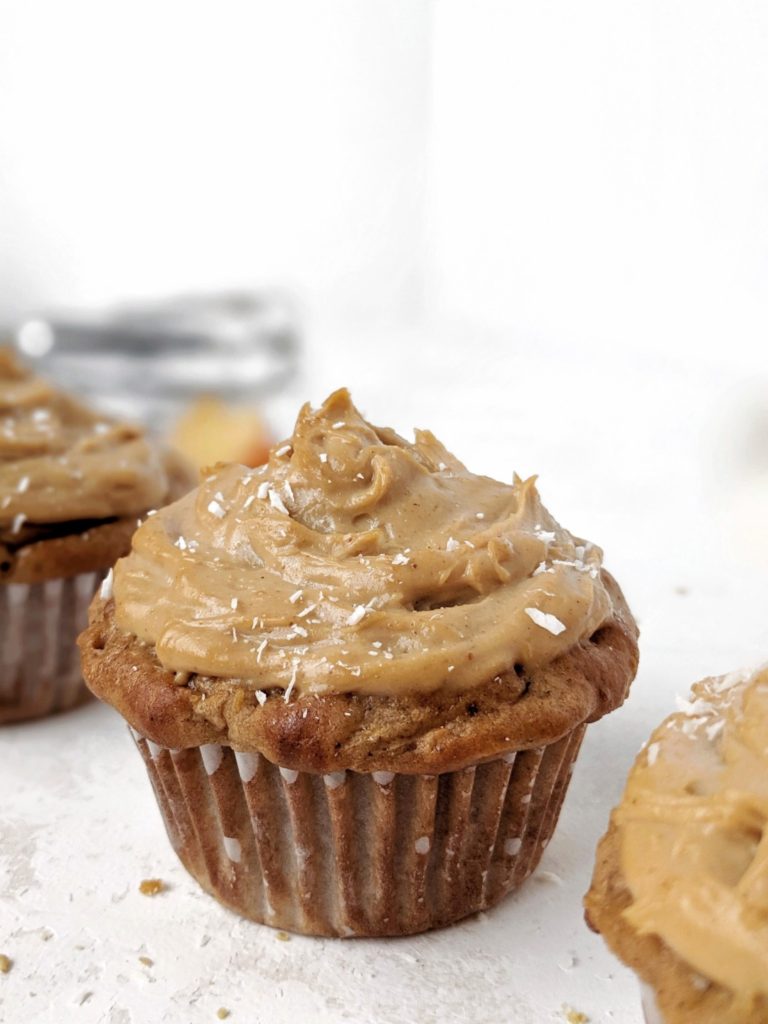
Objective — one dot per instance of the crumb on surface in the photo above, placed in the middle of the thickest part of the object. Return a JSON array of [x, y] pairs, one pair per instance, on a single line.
[[5, 963], [575, 1016], [147, 961], [222, 1013], [283, 936], [152, 886]]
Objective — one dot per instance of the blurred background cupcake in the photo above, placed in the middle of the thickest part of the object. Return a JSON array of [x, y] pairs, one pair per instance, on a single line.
[[73, 485], [680, 890]]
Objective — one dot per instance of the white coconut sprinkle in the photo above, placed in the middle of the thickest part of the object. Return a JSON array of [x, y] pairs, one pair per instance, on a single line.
[[22, 485], [288, 491], [306, 611], [452, 545], [547, 621], [299, 630], [546, 535], [233, 603], [295, 596], [261, 697], [277, 502], [400, 559], [262, 490], [216, 509], [249, 501], [479, 515], [180, 543], [18, 522], [358, 613], [283, 450], [653, 754], [337, 424], [260, 649], [540, 568], [289, 689], [105, 592], [442, 467], [323, 457]]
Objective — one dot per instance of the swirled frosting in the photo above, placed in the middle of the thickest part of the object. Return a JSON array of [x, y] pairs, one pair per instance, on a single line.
[[355, 560], [62, 462], [694, 834]]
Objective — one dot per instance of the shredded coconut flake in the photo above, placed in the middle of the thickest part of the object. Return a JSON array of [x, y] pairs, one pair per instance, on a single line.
[[22, 485], [18, 522], [299, 630], [283, 450], [233, 603], [323, 457], [249, 501], [400, 559], [277, 502], [261, 697], [262, 490], [358, 612], [216, 509], [546, 620], [452, 545], [295, 596], [337, 424], [105, 592], [289, 689], [260, 649]]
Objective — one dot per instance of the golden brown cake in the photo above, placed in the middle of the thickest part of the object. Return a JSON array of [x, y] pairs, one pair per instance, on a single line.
[[359, 677], [72, 483], [680, 890]]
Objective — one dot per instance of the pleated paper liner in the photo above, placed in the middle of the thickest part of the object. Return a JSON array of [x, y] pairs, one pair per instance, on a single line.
[[351, 854], [39, 660]]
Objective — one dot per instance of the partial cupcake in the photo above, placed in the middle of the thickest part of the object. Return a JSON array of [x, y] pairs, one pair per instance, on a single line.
[[680, 891], [359, 677], [72, 484]]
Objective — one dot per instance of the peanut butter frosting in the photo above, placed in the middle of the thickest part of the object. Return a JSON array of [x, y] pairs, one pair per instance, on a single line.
[[357, 561], [61, 462], [693, 833]]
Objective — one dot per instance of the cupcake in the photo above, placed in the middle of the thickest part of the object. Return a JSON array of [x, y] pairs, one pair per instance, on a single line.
[[680, 891], [72, 483], [359, 677]]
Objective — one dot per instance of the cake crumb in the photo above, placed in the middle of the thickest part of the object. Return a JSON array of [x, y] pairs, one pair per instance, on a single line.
[[147, 961], [152, 886], [283, 936], [575, 1016], [5, 963], [222, 1013]]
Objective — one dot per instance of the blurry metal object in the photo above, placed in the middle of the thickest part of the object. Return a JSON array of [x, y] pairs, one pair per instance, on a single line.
[[149, 360]]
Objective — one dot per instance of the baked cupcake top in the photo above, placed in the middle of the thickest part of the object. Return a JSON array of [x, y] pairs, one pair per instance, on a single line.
[[354, 560], [359, 602], [693, 835], [61, 462]]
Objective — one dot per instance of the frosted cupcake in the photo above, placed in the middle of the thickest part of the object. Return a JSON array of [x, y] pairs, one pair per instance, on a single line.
[[72, 483], [359, 677], [680, 891]]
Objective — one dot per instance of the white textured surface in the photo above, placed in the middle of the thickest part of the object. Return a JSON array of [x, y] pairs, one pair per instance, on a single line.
[[655, 462]]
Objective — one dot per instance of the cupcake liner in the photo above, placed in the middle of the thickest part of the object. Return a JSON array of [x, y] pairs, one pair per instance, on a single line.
[[39, 660], [352, 854], [650, 1006]]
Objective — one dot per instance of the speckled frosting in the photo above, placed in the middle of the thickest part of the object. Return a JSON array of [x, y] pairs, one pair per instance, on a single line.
[[357, 561]]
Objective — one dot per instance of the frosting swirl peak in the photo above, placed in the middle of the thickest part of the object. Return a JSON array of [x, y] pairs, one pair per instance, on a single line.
[[355, 560]]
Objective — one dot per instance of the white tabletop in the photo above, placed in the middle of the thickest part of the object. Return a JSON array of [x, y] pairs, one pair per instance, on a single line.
[[664, 465]]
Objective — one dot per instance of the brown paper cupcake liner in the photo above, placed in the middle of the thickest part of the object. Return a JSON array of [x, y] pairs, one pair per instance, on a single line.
[[351, 854], [39, 660]]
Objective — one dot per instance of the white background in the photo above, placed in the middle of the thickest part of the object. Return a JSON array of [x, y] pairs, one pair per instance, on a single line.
[[593, 173], [538, 229]]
